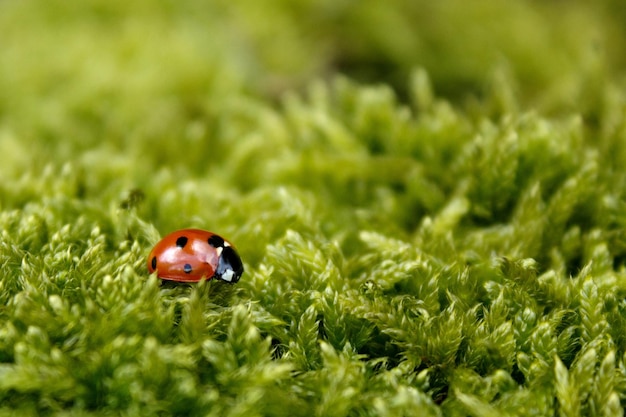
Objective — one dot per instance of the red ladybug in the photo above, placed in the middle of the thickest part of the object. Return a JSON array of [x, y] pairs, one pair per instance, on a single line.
[[188, 255]]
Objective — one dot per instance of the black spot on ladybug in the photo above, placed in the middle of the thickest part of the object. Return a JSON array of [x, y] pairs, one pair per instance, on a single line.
[[187, 268], [216, 241], [154, 262], [229, 267], [181, 241]]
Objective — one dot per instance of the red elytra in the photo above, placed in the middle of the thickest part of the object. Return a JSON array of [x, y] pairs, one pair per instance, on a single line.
[[189, 255]]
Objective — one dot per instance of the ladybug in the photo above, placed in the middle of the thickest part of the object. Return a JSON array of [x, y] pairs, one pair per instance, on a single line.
[[188, 255]]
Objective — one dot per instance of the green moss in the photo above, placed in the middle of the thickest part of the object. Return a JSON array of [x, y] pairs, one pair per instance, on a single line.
[[428, 199]]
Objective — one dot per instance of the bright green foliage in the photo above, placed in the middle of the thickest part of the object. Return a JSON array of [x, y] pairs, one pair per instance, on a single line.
[[429, 199]]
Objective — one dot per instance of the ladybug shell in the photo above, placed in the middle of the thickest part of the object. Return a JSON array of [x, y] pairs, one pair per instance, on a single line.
[[188, 255]]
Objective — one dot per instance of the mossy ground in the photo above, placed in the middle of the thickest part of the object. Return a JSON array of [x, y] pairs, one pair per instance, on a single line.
[[429, 198]]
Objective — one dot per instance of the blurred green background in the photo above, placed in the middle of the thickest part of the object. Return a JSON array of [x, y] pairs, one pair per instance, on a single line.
[[187, 87], [106, 71]]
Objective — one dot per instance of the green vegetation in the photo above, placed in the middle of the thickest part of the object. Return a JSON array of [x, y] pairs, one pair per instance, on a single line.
[[429, 198]]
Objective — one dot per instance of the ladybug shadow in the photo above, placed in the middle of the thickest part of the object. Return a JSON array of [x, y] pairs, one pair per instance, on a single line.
[[214, 291]]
